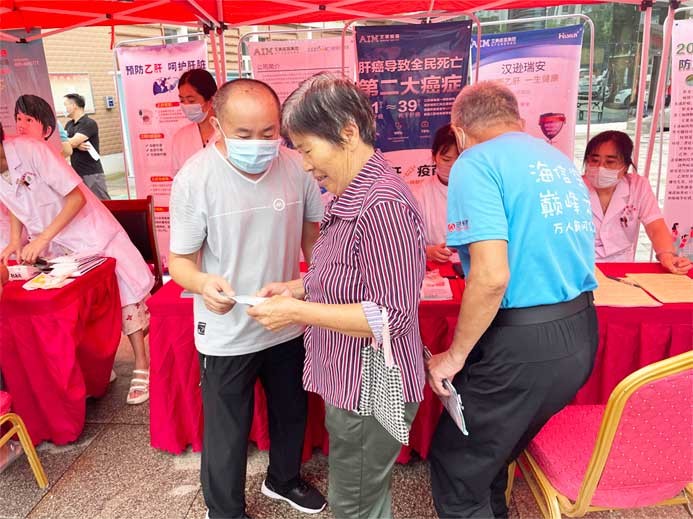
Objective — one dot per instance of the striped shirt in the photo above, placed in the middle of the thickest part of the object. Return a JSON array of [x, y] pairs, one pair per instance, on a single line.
[[371, 250]]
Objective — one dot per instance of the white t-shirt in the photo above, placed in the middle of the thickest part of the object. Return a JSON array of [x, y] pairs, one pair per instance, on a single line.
[[249, 232], [616, 232], [432, 196], [186, 142]]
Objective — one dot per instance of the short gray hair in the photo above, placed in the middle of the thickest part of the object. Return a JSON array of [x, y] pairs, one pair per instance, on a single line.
[[227, 89], [323, 105], [484, 104]]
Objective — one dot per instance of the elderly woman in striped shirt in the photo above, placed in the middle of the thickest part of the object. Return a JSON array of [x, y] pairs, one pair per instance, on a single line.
[[370, 256]]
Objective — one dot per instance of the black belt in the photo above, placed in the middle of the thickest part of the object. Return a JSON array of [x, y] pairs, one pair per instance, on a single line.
[[542, 313]]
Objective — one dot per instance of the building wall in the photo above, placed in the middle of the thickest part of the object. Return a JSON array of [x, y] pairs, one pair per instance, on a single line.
[[88, 50]]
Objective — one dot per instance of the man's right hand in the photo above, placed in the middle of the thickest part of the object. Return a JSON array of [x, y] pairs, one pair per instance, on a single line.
[[438, 253], [216, 293], [12, 248]]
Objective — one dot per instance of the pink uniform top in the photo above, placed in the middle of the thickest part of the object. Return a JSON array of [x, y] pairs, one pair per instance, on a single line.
[[616, 232]]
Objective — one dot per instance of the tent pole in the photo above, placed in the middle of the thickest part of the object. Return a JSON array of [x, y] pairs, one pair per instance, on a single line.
[[215, 56], [642, 84], [659, 96], [205, 14]]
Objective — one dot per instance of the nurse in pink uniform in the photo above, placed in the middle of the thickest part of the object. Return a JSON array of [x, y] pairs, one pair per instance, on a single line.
[[621, 200], [432, 195], [61, 216], [195, 90]]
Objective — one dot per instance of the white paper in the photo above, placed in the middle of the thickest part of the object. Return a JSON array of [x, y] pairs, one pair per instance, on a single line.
[[249, 300]]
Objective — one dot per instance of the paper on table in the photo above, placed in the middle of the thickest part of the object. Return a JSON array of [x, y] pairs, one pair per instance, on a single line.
[[668, 288], [435, 287], [614, 293]]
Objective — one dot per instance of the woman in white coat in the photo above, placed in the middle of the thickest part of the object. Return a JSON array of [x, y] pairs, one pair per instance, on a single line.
[[621, 200], [61, 216], [432, 195], [195, 91]]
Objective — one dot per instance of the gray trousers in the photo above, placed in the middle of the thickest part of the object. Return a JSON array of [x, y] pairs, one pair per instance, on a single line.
[[362, 454], [97, 184]]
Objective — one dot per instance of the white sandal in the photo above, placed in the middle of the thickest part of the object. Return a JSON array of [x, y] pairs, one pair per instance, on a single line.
[[141, 385]]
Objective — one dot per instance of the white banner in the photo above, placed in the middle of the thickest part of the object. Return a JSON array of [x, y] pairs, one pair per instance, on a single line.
[[150, 77], [678, 202], [285, 64], [541, 68]]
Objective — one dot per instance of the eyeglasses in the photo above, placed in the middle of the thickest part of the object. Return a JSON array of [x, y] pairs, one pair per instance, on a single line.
[[611, 163]]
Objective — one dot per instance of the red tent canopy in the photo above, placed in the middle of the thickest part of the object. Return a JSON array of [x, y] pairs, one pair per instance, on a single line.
[[47, 14]]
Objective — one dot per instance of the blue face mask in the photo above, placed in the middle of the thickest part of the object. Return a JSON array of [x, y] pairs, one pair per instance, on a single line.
[[194, 112], [250, 155]]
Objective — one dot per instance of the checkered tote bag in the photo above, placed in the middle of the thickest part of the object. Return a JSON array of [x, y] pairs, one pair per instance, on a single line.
[[382, 393]]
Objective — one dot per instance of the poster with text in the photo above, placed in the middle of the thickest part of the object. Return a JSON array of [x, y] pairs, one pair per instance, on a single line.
[[285, 64], [150, 96], [412, 74], [542, 69], [678, 201], [23, 70]]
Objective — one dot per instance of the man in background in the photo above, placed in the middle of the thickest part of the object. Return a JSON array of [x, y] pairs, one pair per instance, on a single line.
[[83, 135]]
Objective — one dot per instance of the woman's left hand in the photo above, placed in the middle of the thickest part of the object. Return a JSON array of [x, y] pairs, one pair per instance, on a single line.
[[33, 249], [276, 313], [676, 264]]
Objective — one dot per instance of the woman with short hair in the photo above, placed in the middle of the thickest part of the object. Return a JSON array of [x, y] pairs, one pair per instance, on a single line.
[[370, 257]]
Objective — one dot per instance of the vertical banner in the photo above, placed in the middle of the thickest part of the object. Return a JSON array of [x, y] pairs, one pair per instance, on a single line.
[[285, 64], [149, 78], [23, 70], [542, 69], [412, 74], [678, 202]]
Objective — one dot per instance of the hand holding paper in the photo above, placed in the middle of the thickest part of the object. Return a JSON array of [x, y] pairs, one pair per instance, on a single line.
[[275, 313], [216, 294]]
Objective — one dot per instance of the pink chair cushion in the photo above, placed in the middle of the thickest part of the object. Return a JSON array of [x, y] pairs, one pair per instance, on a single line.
[[5, 403], [650, 459]]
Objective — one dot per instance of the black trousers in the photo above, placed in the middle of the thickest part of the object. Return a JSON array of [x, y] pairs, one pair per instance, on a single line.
[[228, 398], [514, 380]]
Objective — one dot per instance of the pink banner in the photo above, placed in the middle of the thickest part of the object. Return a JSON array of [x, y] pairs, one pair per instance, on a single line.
[[149, 78], [678, 203]]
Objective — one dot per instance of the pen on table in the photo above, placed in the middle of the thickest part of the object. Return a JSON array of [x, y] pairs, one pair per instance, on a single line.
[[631, 283]]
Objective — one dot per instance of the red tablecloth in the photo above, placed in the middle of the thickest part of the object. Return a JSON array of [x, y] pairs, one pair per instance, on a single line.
[[629, 338], [58, 347]]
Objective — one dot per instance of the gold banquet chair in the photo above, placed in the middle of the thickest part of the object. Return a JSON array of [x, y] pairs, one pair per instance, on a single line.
[[636, 451], [18, 428]]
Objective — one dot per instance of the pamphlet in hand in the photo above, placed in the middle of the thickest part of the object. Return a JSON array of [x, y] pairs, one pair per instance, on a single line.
[[452, 403], [246, 300]]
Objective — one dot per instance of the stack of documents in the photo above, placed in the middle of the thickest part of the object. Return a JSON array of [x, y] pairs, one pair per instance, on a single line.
[[435, 287], [75, 264]]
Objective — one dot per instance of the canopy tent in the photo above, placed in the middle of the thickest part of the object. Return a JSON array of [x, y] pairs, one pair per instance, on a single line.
[[59, 14]]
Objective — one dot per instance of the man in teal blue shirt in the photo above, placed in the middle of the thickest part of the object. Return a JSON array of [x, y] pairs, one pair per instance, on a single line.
[[519, 215]]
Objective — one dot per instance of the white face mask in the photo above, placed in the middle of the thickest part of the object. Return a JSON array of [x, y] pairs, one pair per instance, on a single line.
[[194, 112], [253, 156], [602, 178]]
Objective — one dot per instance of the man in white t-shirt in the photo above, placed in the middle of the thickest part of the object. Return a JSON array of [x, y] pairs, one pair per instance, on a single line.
[[247, 209]]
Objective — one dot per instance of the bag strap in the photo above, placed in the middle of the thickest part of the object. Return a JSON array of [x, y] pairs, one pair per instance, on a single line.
[[387, 343]]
